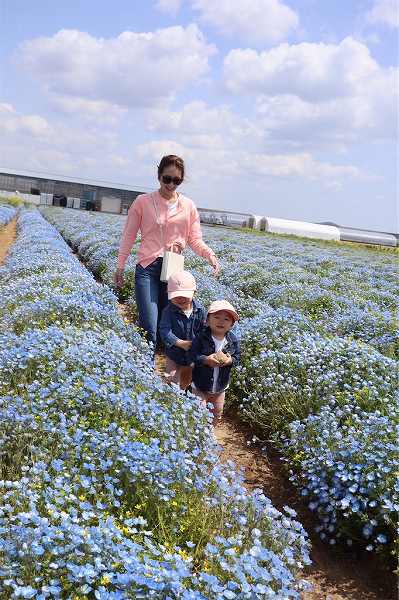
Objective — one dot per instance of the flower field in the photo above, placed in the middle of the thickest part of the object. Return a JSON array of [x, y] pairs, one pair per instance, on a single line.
[[111, 482], [319, 369], [6, 214]]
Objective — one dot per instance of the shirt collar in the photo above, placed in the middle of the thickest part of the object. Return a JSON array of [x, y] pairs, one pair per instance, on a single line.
[[164, 200], [164, 203]]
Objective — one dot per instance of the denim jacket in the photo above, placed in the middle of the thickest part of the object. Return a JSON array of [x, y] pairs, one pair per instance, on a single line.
[[176, 325], [203, 346]]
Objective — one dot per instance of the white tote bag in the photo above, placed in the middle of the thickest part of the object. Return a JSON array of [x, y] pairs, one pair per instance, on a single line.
[[173, 262]]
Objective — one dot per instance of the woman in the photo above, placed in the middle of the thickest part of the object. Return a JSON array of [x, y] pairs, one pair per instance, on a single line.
[[165, 219]]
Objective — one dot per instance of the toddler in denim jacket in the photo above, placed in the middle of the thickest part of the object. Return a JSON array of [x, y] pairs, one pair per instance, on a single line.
[[214, 351], [182, 319]]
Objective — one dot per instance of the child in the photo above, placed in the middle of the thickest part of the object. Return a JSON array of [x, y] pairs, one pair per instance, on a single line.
[[182, 319], [214, 352]]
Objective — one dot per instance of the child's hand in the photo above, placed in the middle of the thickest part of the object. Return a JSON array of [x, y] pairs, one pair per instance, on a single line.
[[224, 359], [227, 360], [212, 361], [184, 344]]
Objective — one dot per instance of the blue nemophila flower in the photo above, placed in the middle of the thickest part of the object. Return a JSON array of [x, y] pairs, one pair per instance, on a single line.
[[25, 591], [6, 213], [330, 464]]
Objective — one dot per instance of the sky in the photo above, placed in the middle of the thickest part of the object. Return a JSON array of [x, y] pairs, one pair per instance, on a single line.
[[279, 108]]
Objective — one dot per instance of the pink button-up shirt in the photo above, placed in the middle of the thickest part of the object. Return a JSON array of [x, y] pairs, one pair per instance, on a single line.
[[182, 227]]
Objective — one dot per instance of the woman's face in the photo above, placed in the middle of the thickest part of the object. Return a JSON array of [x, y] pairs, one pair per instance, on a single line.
[[173, 175]]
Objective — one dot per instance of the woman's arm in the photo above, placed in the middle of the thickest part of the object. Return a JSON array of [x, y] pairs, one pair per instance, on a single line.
[[196, 242], [129, 233]]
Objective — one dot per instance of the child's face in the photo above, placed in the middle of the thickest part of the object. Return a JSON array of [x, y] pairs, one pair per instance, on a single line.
[[182, 302], [220, 322]]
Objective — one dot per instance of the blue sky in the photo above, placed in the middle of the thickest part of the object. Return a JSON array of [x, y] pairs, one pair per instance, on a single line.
[[285, 109]]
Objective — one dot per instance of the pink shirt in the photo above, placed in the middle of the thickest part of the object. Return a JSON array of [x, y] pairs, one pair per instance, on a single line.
[[182, 227]]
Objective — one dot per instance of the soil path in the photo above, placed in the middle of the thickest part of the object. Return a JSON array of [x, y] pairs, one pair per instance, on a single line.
[[8, 234], [334, 574]]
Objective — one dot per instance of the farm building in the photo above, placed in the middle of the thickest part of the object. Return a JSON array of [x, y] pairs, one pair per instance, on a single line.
[[72, 192]]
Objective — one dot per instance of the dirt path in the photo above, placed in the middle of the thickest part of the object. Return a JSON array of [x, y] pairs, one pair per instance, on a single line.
[[8, 234], [335, 575]]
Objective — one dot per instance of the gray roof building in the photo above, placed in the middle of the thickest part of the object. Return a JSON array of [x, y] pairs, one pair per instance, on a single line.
[[86, 189]]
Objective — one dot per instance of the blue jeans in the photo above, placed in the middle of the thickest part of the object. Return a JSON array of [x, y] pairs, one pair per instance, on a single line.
[[151, 297]]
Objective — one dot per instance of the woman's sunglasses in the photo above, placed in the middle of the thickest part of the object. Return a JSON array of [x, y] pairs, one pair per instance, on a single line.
[[168, 179]]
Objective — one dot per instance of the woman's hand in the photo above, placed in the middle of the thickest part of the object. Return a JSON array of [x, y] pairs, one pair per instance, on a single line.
[[118, 278], [213, 261], [184, 344], [176, 247]]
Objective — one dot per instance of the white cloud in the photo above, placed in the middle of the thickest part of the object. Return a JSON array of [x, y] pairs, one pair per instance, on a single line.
[[218, 161], [120, 161], [369, 115], [250, 20], [32, 142], [171, 7], [317, 95], [13, 123], [133, 69], [286, 122], [298, 165], [6, 108], [199, 119], [385, 12], [217, 143], [88, 109], [311, 71], [30, 157], [158, 148]]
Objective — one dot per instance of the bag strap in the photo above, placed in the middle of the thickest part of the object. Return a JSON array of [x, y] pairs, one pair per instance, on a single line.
[[159, 222]]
